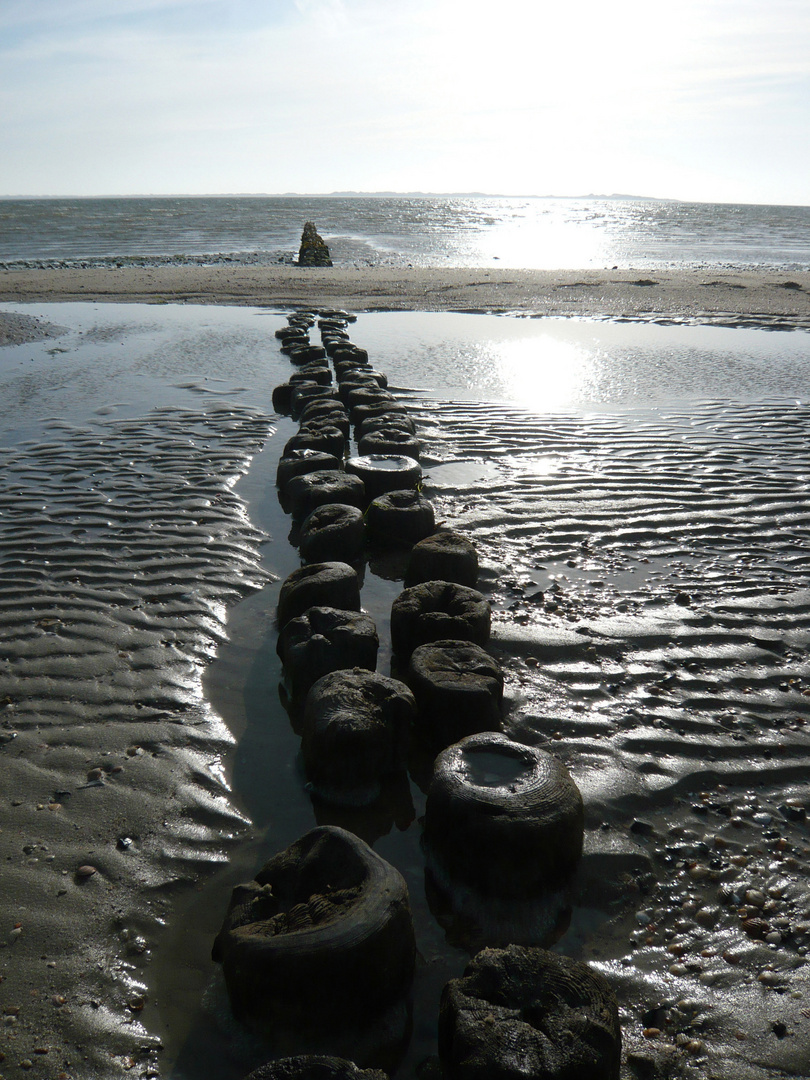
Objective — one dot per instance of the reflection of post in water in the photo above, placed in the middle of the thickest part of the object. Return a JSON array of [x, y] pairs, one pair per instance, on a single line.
[[393, 808]]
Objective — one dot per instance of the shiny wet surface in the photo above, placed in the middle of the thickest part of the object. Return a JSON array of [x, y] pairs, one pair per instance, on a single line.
[[645, 549]]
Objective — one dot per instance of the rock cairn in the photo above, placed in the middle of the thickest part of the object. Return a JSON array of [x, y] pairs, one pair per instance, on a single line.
[[313, 250]]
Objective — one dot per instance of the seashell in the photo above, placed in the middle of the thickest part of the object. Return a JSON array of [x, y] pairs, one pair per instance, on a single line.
[[320, 907], [298, 918]]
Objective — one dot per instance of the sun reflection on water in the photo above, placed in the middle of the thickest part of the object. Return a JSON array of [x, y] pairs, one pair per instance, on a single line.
[[545, 240], [569, 363], [544, 372]]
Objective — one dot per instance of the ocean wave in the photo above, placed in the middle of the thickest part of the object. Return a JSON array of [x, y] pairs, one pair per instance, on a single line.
[[402, 230]]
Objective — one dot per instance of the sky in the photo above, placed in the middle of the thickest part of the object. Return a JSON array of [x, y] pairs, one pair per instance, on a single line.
[[705, 100]]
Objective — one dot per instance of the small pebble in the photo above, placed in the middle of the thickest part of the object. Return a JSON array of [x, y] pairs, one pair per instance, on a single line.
[[793, 810], [641, 828], [707, 916], [86, 871], [769, 978], [137, 946]]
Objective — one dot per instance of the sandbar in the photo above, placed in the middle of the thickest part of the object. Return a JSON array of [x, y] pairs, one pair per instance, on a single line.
[[736, 297]]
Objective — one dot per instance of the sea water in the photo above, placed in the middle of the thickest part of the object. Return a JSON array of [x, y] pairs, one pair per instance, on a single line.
[[406, 230]]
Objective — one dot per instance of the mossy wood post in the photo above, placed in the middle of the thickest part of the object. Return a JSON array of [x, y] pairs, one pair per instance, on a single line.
[[313, 250]]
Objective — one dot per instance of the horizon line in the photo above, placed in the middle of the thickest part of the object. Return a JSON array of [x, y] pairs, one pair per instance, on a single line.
[[341, 193], [357, 194]]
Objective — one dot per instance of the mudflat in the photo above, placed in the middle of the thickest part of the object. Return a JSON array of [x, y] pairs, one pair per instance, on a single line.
[[648, 573]]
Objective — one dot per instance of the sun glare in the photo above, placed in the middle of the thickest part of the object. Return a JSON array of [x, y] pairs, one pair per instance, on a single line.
[[544, 239], [543, 373]]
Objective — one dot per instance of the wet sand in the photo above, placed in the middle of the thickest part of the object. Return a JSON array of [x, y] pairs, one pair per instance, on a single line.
[[650, 578], [731, 296], [123, 546], [17, 328], [653, 623]]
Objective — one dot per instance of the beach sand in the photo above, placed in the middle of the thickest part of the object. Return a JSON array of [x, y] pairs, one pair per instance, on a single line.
[[17, 328], [650, 579], [747, 297]]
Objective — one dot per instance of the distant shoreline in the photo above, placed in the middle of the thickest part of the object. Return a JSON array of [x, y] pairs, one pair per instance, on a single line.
[[611, 197], [351, 195], [777, 299]]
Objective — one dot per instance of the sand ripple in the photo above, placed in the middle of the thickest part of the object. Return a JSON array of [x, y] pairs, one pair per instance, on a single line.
[[121, 546], [670, 551], [650, 574]]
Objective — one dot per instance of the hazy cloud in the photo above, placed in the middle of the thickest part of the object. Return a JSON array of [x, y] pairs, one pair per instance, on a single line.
[[165, 95]]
